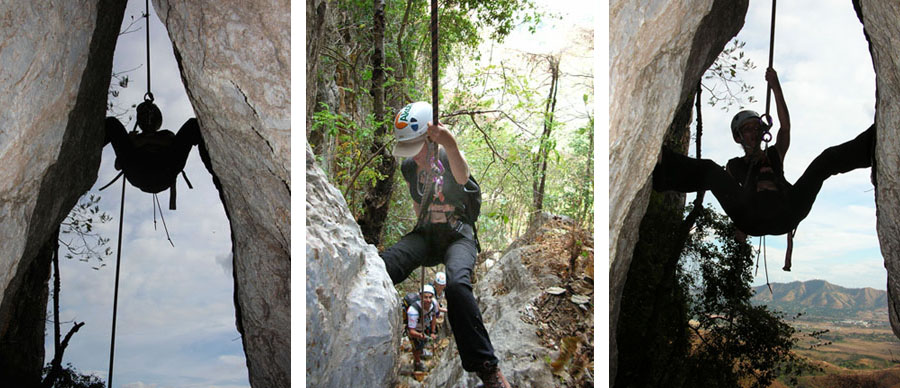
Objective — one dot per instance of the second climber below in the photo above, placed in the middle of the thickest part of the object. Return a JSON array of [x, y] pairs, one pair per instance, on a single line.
[[752, 189]]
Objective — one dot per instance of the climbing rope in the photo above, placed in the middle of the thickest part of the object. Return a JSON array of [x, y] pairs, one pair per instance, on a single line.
[[112, 344], [147, 97], [767, 136]]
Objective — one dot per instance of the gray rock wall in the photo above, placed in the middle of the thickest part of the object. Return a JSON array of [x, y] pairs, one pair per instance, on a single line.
[[880, 20], [57, 61], [522, 357], [352, 310], [234, 58], [658, 52]]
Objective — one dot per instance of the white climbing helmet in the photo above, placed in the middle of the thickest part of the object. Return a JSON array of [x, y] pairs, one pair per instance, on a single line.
[[409, 128], [428, 289], [738, 120], [440, 278]]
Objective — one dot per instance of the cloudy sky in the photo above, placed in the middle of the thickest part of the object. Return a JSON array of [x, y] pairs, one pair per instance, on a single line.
[[826, 72], [176, 316]]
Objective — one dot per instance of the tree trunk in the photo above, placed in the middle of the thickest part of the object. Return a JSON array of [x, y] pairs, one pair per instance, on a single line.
[[377, 200], [540, 160], [59, 347]]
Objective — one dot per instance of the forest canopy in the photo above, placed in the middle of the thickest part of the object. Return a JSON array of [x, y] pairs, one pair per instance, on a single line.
[[521, 113]]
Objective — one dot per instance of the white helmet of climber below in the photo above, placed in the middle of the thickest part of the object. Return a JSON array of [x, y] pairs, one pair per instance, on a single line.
[[410, 127], [440, 278], [428, 289], [739, 119]]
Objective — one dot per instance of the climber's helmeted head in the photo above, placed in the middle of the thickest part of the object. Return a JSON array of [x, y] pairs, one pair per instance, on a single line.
[[149, 118], [410, 127], [440, 279], [747, 127], [427, 295]]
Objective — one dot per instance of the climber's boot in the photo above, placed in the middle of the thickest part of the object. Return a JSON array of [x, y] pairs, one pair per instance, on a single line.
[[491, 377]]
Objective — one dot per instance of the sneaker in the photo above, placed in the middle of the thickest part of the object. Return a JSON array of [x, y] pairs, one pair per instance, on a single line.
[[419, 367], [491, 377]]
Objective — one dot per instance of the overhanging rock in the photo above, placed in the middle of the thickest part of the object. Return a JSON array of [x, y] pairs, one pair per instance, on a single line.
[[234, 57], [658, 51], [57, 61], [879, 18]]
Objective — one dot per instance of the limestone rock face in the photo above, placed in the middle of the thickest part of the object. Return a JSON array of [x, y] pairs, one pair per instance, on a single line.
[[57, 61], [507, 294], [352, 310], [234, 58], [658, 51], [880, 22]]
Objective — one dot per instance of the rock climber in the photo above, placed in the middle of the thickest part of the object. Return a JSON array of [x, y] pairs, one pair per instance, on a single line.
[[440, 282], [152, 159], [428, 309], [752, 189], [447, 236]]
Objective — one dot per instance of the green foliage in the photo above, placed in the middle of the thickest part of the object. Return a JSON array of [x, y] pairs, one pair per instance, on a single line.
[[738, 342], [692, 325], [497, 145], [722, 79], [70, 378]]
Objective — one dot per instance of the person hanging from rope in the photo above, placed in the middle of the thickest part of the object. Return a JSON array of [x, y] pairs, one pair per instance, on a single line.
[[447, 234], [152, 159], [752, 189]]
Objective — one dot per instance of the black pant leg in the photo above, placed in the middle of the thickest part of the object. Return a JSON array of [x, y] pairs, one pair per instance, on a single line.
[[118, 136], [687, 175], [472, 339], [187, 137], [839, 159], [405, 256]]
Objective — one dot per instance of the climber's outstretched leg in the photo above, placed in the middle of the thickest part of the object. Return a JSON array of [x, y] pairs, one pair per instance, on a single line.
[[687, 175], [187, 137], [116, 134], [405, 256], [839, 159], [475, 349]]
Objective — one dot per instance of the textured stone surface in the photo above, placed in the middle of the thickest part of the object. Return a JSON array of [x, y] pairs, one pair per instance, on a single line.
[[522, 357], [658, 52], [880, 22], [57, 61], [352, 310], [234, 58]]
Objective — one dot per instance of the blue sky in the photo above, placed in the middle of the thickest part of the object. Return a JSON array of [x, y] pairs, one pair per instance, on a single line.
[[176, 316], [826, 72]]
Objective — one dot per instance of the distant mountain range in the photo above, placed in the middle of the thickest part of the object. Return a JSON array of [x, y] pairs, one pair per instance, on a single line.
[[818, 298]]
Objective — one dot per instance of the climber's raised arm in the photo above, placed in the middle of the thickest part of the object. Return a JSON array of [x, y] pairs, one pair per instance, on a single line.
[[784, 118], [458, 166]]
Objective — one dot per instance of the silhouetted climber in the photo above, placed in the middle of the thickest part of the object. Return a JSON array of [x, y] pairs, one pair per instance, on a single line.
[[752, 189], [447, 234], [152, 159]]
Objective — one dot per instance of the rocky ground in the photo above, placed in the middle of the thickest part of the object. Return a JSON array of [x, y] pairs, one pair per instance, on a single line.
[[537, 303]]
